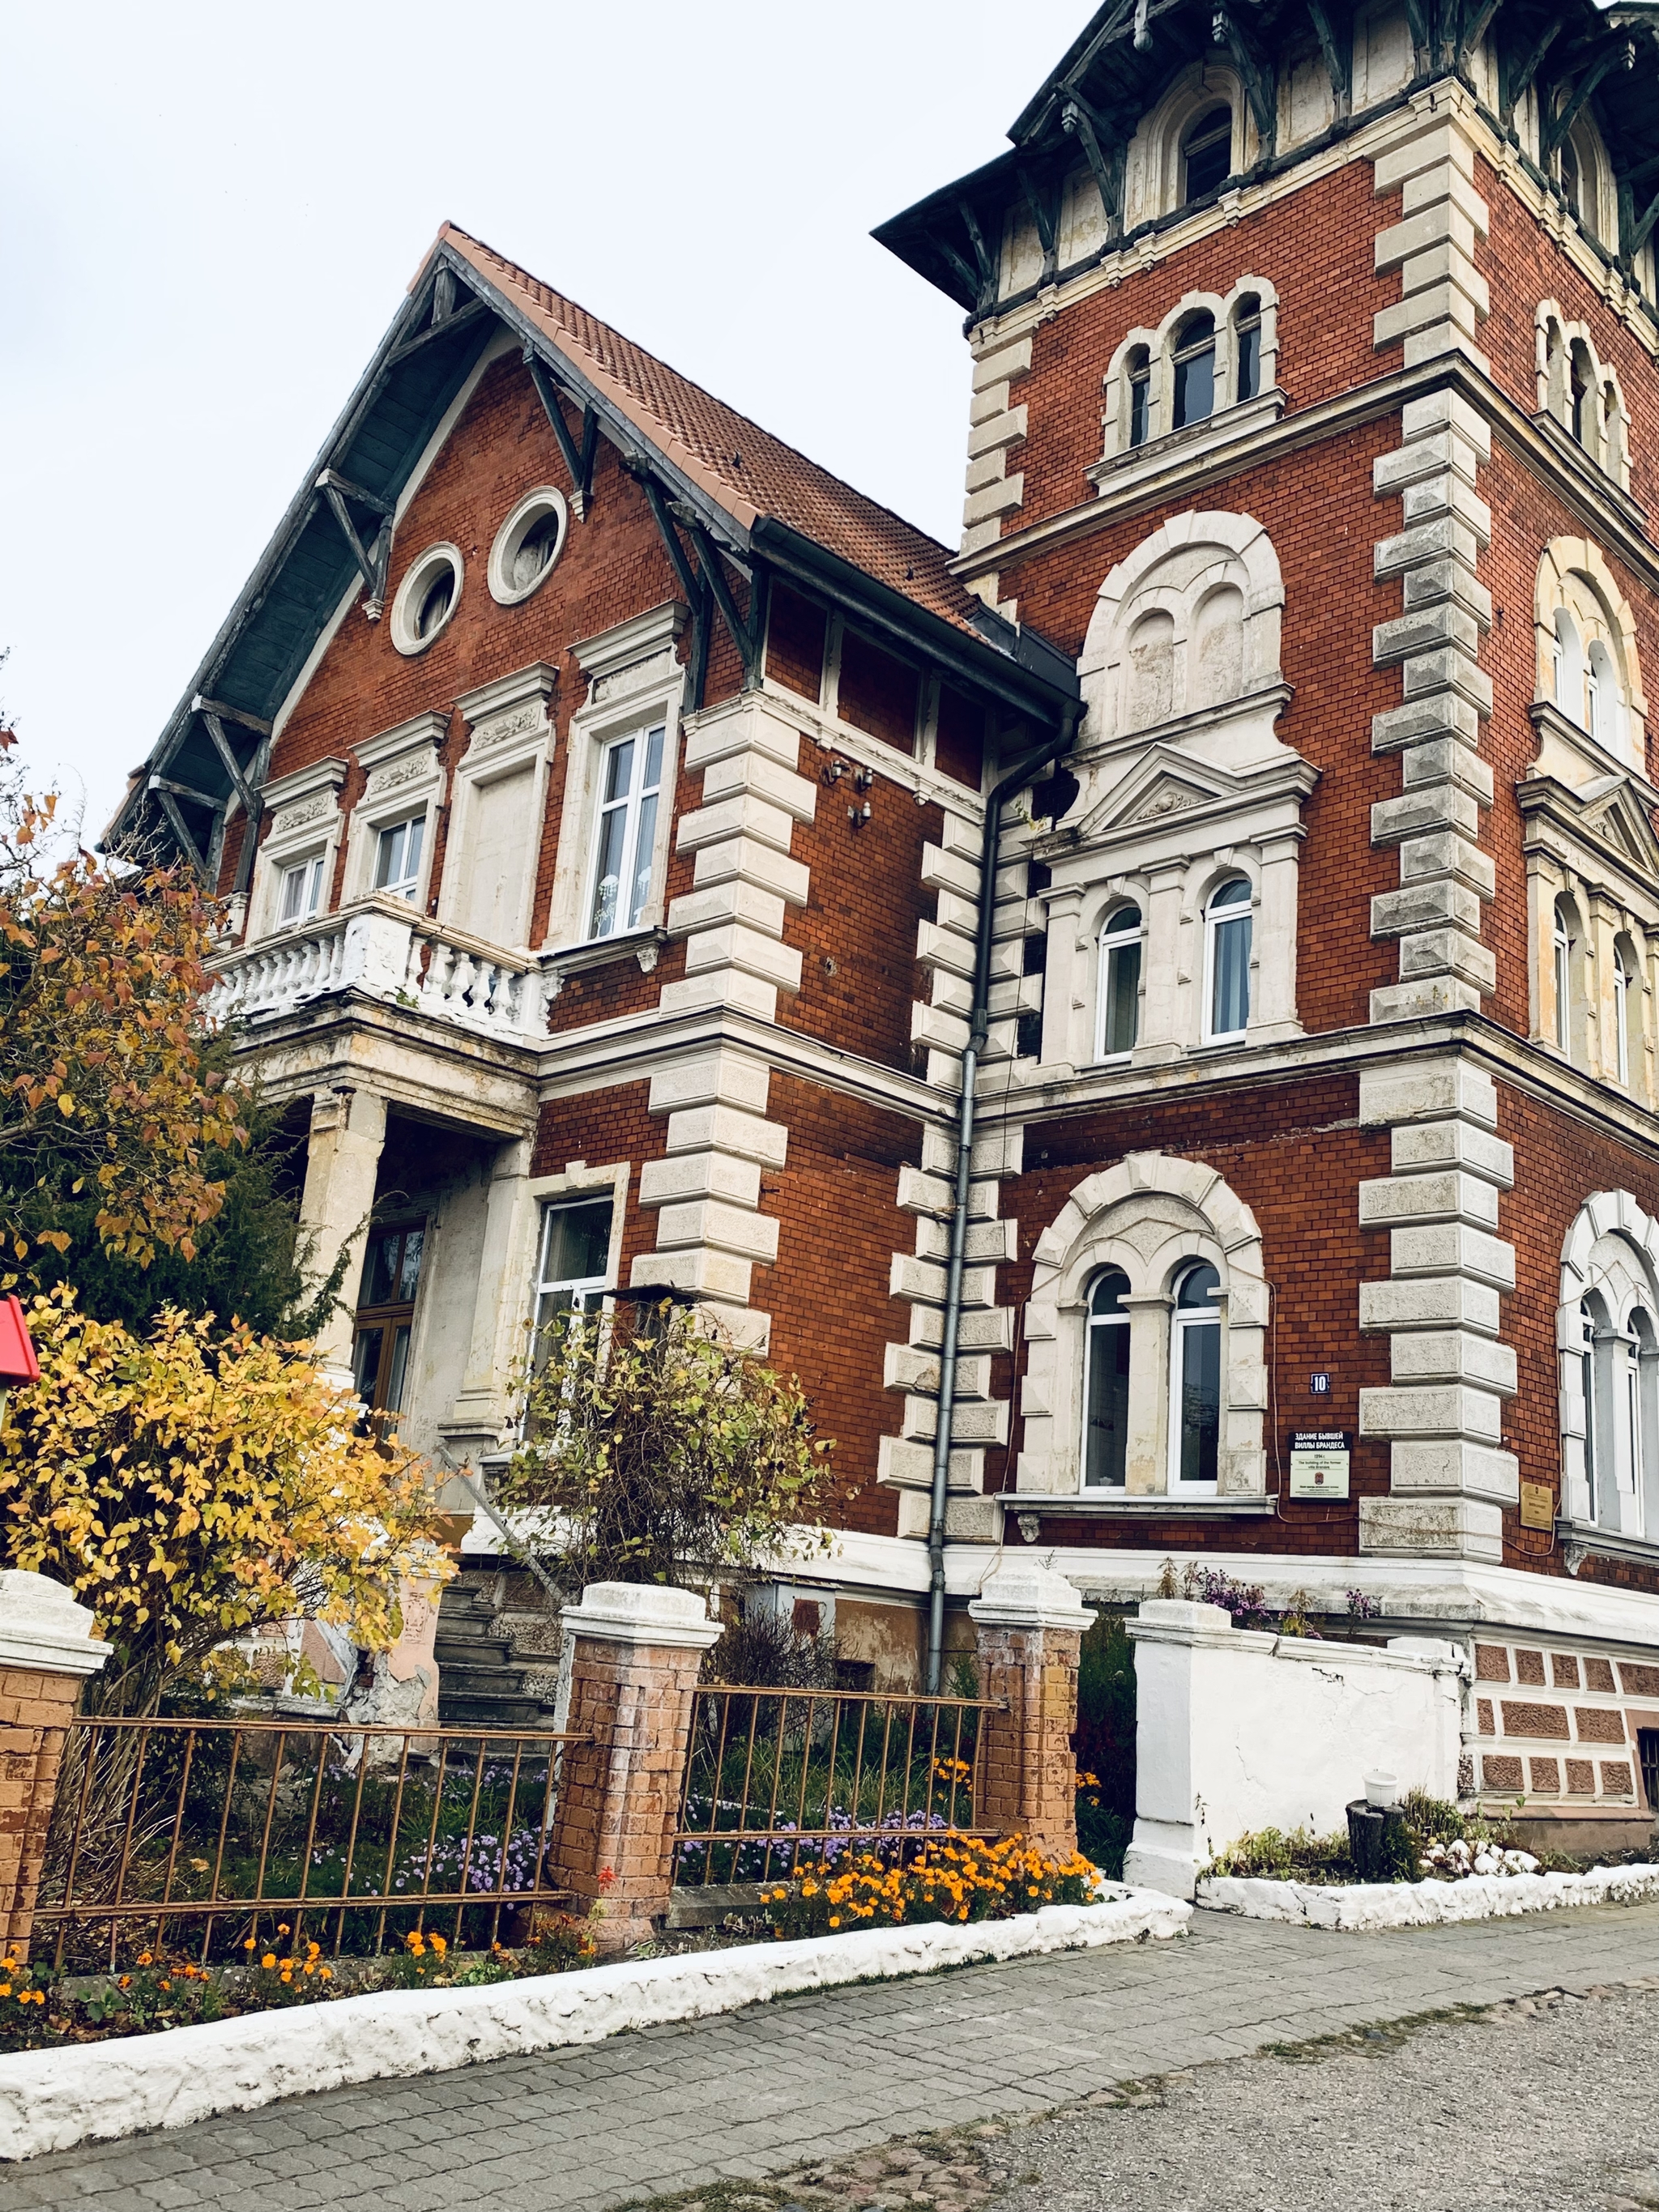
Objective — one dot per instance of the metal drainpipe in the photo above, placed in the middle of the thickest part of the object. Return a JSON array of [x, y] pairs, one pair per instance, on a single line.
[[979, 1030]]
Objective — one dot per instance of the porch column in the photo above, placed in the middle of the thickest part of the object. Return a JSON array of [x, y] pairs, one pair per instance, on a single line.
[[498, 1343], [1028, 1624], [47, 1650], [343, 1162]]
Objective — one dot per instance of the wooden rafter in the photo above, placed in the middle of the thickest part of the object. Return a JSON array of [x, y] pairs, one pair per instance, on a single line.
[[579, 462], [1617, 53]]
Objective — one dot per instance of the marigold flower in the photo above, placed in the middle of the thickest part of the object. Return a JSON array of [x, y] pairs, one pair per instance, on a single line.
[[268, 1960]]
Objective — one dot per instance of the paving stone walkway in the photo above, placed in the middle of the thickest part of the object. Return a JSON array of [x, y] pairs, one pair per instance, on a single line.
[[819, 2077]]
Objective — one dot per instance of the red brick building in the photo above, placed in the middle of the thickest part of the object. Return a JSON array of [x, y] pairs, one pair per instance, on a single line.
[[603, 791]]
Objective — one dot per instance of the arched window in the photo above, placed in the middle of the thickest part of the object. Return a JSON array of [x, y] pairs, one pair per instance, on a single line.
[[1106, 1393], [1569, 667], [1140, 396], [1217, 648], [1206, 152], [1565, 946], [1195, 1378], [1121, 942], [1581, 388], [1601, 695], [1641, 1353], [1194, 369], [1227, 961], [1621, 983], [1247, 347], [1587, 1320]]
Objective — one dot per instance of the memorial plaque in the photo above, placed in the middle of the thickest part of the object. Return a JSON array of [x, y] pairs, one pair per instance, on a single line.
[[1319, 1462], [1537, 1505]]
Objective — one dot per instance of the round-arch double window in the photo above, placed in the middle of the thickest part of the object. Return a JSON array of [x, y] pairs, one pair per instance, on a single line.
[[527, 545], [427, 598]]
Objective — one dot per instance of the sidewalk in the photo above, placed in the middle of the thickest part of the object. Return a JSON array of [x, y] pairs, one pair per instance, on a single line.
[[818, 2077]]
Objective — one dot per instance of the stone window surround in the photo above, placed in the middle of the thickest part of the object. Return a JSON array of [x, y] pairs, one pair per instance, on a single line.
[[1613, 899], [1581, 560], [1154, 185], [303, 808], [1229, 417], [509, 724], [1611, 449], [635, 681], [541, 500], [501, 1307], [421, 572], [405, 779], [1610, 1254], [1111, 1220]]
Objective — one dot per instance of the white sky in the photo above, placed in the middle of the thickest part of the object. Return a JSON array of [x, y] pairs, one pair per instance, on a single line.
[[209, 214]]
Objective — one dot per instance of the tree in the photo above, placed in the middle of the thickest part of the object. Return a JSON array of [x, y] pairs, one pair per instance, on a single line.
[[187, 1485], [109, 1088], [656, 1450]]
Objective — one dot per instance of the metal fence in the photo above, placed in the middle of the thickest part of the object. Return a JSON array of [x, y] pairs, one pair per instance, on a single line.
[[209, 1834], [779, 1778]]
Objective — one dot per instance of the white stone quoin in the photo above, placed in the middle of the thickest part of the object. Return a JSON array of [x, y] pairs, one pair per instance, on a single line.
[[1237, 1730], [43, 1627]]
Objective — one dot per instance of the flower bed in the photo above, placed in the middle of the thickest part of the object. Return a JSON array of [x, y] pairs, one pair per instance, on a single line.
[[958, 1879], [41, 2010], [52, 2099]]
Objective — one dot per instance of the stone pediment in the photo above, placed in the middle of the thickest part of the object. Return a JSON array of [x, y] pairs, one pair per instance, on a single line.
[[1166, 783], [1614, 811]]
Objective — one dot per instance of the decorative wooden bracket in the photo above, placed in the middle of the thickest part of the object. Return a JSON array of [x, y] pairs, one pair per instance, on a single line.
[[373, 559], [579, 463]]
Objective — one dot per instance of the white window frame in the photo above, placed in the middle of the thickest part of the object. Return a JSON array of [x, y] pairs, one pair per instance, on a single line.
[[1115, 937], [631, 805], [1216, 919], [308, 874], [306, 824], [636, 682], [405, 780], [1561, 942], [1094, 1328], [1182, 1325], [1621, 983]]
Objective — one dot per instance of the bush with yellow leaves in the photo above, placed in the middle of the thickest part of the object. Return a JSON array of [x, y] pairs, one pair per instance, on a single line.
[[188, 1483], [958, 1877]]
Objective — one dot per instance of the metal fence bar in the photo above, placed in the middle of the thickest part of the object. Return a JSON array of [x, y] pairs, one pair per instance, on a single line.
[[227, 1827], [871, 1773]]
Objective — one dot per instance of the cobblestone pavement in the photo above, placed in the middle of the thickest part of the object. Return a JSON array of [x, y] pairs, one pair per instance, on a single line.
[[782, 2089]]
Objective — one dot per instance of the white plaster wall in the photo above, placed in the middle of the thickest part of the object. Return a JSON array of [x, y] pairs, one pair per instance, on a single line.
[[1239, 1731]]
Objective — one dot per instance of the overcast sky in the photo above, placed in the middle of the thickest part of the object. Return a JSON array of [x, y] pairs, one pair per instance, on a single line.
[[210, 212]]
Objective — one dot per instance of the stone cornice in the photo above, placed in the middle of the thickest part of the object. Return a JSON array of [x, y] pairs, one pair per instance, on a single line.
[[1597, 503]]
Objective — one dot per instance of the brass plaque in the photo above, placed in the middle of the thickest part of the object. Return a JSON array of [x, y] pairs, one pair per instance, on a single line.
[[1537, 1505]]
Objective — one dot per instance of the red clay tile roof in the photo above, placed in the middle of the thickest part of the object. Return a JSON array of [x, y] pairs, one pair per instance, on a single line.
[[704, 437]]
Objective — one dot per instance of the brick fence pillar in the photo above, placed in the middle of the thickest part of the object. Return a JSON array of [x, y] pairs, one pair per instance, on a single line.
[[1028, 1623], [635, 1652], [47, 1651]]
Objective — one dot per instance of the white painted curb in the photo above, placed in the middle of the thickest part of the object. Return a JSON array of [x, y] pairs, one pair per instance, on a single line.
[[1368, 1906], [94, 2092]]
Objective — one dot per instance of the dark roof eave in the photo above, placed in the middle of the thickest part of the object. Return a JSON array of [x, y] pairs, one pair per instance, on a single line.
[[1046, 689]]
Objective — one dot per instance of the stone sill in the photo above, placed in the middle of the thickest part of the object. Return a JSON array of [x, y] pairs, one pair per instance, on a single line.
[[1119, 474], [1583, 1540], [1016, 1503], [641, 944]]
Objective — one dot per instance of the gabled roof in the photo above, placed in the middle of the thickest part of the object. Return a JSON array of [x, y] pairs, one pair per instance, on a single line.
[[754, 496], [744, 468]]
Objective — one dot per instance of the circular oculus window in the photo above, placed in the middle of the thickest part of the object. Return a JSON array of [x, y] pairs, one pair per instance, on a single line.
[[527, 544], [426, 598]]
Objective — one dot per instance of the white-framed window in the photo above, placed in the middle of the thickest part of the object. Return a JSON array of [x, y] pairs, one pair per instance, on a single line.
[[1206, 152], [427, 598], [573, 1261], [1106, 1387], [1227, 932], [1122, 941], [1564, 941], [1139, 370], [1194, 360], [527, 545], [397, 858], [1195, 1371], [1592, 1410], [1247, 347], [1621, 1014], [300, 892], [625, 830]]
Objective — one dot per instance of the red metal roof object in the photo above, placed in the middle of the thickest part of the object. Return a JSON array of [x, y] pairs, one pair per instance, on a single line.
[[17, 1361]]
